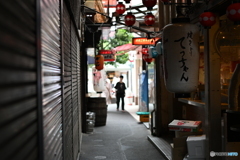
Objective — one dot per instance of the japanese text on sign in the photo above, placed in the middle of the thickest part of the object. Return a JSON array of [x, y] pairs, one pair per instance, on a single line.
[[182, 52], [144, 41]]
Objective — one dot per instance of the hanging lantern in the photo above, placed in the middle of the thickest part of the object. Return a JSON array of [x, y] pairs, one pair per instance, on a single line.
[[144, 50], [120, 8], [207, 19], [149, 3], [233, 13], [130, 19], [127, 1], [152, 52], [98, 80], [181, 56], [149, 19], [147, 58], [99, 62]]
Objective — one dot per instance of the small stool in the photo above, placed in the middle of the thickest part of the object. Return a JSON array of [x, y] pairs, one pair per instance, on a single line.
[[143, 116]]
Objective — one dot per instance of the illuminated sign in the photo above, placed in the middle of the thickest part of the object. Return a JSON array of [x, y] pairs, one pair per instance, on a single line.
[[144, 41]]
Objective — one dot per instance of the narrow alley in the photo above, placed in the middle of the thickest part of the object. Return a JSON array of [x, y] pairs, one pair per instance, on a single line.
[[122, 138]]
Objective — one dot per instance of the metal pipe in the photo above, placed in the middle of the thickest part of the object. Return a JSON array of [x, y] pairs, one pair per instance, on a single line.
[[62, 79], [173, 10], [39, 81], [166, 8], [161, 15], [164, 16]]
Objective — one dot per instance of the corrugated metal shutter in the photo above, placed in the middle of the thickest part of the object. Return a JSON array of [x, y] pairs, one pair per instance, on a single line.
[[75, 88], [51, 70], [79, 75], [75, 5], [18, 82], [68, 148]]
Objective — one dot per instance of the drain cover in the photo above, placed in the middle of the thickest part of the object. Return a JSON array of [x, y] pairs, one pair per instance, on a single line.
[[100, 157]]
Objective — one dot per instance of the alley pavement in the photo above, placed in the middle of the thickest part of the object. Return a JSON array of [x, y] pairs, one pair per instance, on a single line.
[[122, 138]]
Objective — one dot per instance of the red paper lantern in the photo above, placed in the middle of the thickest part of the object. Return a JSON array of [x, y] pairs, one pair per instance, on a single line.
[[144, 50], [99, 61], [130, 19], [149, 3], [180, 69], [149, 19], [147, 58], [120, 8], [233, 12], [127, 1], [207, 19]]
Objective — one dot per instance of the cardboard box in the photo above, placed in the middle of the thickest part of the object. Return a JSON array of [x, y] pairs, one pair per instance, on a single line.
[[178, 153], [196, 146], [186, 134], [183, 129], [179, 148], [184, 125], [180, 142]]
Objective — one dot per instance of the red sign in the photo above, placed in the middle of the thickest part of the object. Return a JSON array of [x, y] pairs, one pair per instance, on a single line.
[[107, 54], [144, 41]]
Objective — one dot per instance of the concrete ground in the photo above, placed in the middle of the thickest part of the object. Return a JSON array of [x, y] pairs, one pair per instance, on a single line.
[[122, 138]]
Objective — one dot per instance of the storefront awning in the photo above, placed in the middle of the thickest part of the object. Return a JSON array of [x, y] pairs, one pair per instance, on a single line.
[[126, 47]]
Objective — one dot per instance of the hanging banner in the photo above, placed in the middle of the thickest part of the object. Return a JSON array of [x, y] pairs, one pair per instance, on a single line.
[[143, 106], [145, 41]]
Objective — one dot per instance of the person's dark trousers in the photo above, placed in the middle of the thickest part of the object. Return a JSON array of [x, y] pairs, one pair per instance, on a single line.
[[120, 96]]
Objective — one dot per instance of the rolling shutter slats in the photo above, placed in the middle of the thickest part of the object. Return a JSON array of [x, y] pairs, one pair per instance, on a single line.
[[18, 83], [51, 61], [75, 86], [68, 150]]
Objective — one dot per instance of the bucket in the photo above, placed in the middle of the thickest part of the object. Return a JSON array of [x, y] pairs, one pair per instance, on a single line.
[[129, 100], [99, 107]]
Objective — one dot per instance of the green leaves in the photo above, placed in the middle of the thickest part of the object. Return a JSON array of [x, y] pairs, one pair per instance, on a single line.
[[122, 36]]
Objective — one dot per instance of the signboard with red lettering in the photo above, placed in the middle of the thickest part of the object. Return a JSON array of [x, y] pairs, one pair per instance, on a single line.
[[144, 41], [108, 55]]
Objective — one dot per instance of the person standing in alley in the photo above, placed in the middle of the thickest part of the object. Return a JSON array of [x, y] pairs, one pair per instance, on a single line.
[[120, 92]]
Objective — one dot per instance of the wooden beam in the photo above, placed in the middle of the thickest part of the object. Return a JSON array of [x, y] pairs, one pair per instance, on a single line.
[[212, 127]]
